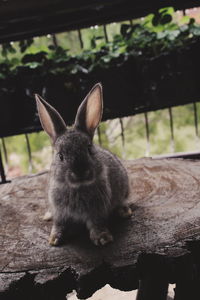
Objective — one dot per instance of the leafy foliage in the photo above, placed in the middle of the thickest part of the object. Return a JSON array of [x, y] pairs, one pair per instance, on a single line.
[[155, 34]]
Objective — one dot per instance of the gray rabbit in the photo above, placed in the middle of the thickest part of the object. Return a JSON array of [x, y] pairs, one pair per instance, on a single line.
[[87, 183]]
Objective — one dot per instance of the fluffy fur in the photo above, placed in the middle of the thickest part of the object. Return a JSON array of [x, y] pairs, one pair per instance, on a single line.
[[86, 182]]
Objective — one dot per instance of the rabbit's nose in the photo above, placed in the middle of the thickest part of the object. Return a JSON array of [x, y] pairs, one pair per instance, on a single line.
[[82, 174]]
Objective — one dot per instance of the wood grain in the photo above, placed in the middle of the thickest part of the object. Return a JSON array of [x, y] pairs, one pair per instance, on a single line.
[[160, 240]]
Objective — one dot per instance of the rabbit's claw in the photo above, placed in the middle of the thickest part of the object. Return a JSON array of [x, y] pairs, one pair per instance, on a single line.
[[124, 211], [54, 240], [101, 238], [47, 216], [56, 237]]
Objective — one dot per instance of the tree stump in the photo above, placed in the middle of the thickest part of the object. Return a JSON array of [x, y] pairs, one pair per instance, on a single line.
[[161, 241]]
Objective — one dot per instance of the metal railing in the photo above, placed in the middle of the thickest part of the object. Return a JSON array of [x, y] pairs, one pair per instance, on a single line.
[[121, 134], [4, 162]]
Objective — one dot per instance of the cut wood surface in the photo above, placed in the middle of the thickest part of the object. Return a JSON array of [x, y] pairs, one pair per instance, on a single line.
[[161, 238]]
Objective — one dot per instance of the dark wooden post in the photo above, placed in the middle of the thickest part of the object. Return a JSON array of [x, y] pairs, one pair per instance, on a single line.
[[153, 274], [152, 288], [187, 290]]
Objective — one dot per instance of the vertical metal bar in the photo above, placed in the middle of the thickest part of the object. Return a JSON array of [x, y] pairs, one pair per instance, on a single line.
[[105, 33], [147, 134], [196, 119], [196, 123], [99, 135], [122, 131], [29, 153], [2, 172], [5, 152], [171, 128], [55, 41], [131, 22], [151, 288], [122, 136], [80, 39]]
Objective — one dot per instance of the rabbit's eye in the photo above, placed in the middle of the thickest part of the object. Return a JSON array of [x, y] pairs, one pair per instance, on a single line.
[[60, 155]]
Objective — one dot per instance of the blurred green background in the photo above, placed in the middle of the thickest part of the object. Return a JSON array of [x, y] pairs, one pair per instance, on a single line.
[[135, 141]]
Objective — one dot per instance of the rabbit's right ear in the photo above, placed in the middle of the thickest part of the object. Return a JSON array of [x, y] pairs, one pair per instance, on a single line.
[[50, 119], [90, 111]]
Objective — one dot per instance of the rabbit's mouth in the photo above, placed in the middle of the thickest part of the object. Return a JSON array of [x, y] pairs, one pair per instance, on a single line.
[[83, 177]]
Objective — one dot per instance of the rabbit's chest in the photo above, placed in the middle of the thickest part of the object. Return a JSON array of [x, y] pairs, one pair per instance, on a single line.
[[86, 203]]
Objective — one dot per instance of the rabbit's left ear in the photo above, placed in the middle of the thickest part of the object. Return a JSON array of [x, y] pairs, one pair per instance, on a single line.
[[89, 113], [51, 120]]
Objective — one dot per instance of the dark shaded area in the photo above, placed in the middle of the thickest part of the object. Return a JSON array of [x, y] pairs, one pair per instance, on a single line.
[[153, 288], [187, 290]]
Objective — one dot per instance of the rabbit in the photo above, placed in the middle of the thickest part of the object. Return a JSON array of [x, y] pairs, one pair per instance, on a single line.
[[87, 183]]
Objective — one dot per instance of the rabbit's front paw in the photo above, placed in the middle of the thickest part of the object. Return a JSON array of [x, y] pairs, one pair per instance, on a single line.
[[47, 216], [101, 238], [56, 236], [55, 240], [124, 211]]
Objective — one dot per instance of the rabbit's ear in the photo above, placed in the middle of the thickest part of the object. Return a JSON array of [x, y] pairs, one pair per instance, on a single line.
[[50, 119], [90, 111]]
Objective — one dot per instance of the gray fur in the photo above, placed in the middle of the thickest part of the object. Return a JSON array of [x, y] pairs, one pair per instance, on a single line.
[[87, 183]]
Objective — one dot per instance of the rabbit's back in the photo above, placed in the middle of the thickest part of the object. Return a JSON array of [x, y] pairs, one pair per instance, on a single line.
[[116, 176]]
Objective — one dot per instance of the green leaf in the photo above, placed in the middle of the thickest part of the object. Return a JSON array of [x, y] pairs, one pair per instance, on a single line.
[[162, 34], [167, 10], [7, 48], [125, 29], [184, 28], [173, 34], [93, 42], [156, 19], [15, 61], [165, 19], [196, 31], [184, 19], [25, 44], [192, 21], [33, 65], [38, 57]]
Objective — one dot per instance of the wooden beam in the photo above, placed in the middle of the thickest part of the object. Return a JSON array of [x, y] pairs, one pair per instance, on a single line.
[[22, 19]]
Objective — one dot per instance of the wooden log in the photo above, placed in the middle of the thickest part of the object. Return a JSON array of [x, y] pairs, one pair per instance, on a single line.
[[160, 240]]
